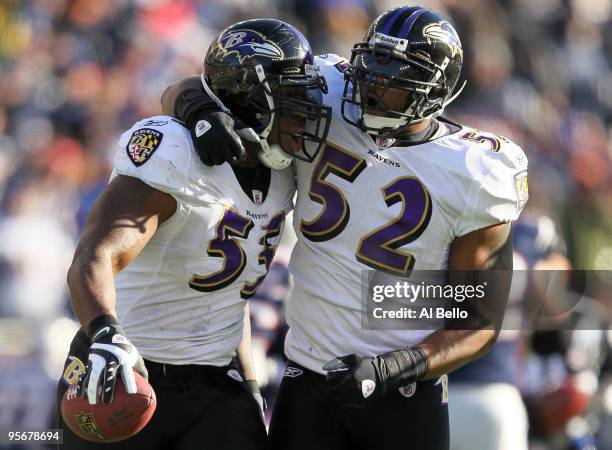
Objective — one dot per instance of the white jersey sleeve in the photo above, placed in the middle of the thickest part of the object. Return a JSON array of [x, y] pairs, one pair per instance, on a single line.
[[499, 189], [157, 151], [178, 301]]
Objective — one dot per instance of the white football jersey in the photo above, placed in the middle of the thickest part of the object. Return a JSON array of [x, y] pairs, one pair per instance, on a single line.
[[364, 206], [181, 300]]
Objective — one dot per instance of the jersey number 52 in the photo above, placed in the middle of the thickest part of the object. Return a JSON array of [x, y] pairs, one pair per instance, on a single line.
[[379, 249]]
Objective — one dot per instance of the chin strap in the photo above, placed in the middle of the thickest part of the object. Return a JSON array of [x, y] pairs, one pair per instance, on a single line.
[[261, 76], [271, 156], [377, 124]]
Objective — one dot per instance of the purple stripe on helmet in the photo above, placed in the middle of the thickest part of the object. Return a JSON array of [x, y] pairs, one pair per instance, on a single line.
[[392, 20], [408, 24]]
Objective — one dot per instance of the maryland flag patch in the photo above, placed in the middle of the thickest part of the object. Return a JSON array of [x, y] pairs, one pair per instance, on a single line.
[[143, 144]]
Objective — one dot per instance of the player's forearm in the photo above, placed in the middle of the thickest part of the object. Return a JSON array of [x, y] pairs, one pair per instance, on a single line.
[[243, 352], [92, 287], [448, 350], [482, 257]]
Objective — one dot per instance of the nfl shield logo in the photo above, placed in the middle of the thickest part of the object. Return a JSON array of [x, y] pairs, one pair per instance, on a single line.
[[382, 142], [87, 422], [408, 391], [257, 197]]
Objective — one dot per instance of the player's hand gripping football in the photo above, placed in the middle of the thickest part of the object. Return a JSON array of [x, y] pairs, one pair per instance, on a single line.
[[356, 381], [110, 354]]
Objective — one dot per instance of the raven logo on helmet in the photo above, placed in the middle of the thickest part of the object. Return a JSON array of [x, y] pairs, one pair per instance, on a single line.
[[248, 43], [444, 32]]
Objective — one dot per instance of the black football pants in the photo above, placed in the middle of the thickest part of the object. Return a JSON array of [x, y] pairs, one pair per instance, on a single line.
[[305, 417], [198, 408]]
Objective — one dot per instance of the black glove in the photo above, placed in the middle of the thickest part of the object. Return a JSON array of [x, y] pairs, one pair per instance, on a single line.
[[357, 380], [214, 138], [110, 352], [253, 388], [215, 133]]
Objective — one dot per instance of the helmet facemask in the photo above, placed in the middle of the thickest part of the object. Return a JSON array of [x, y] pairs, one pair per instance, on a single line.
[[286, 110], [391, 90], [301, 122]]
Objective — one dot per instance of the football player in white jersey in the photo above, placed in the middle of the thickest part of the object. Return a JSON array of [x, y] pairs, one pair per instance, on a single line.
[[173, 249], [396, 189]]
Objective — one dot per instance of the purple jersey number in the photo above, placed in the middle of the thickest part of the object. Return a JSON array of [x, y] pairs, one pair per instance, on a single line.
[[266, 256], [223, 246], [379, 248], [494, 140], [336, 211]]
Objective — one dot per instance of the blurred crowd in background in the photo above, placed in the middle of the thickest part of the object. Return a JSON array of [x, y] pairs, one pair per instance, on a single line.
[[75, 73]]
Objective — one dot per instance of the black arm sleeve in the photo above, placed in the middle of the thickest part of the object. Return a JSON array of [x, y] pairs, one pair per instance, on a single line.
[[191, 101]]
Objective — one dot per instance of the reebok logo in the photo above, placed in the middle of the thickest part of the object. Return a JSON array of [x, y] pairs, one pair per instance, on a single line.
[[292, 372]]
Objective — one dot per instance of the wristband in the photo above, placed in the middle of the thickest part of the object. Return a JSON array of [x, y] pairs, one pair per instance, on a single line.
[[403, 367], [103, 320]]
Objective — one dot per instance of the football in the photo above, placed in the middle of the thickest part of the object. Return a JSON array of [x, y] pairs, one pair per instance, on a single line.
[[125, 416]]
